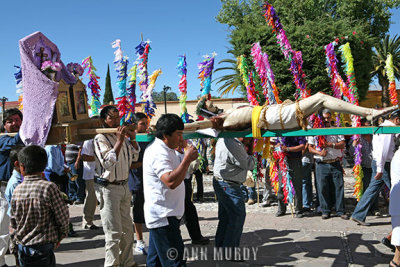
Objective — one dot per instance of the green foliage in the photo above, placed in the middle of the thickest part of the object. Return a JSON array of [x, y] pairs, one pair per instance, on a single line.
[[230, 81], [386, 46], [159, 96], [309, 26], [108, 94]]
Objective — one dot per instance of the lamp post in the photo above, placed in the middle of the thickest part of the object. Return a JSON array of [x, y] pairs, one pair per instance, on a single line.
[[165, 89], [3, 102]]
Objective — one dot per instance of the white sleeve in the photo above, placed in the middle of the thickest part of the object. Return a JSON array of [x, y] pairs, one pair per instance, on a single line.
[[105, 152]]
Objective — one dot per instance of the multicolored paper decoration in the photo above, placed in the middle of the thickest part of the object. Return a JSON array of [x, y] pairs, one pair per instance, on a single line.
[[266, 75], [352, 96], [93, 85], [294, 57], [392, 83], [121, 67], [131, 92], [142, 52], [147, 96], [205, 73], [182, 71], [338, 86], [18, 81]]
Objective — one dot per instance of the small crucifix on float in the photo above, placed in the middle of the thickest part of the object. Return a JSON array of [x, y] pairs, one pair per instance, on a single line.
[[43, 56]]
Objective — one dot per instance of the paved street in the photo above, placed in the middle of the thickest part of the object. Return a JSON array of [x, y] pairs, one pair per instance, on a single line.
[[266, 241]]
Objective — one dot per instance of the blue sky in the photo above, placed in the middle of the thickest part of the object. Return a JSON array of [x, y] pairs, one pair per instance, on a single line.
[[87, 28]]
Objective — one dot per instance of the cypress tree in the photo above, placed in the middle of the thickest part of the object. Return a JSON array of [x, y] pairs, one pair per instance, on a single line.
[[108, 94]]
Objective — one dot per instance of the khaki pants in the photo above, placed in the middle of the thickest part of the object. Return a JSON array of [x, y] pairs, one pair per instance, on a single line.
[[117, 225], [89, 207]]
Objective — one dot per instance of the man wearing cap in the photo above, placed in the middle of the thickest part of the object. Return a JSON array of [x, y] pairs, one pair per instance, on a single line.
[[383, 148]]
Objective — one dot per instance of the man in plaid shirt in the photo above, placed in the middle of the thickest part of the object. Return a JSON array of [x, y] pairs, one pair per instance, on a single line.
[[39, 216]]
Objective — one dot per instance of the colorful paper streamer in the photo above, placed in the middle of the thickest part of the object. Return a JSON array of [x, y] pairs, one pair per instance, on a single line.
[[93, 85], [205, 74], [392, 83]]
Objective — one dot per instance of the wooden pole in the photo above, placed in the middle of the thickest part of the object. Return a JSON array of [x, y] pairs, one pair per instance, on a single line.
[[9, 134]]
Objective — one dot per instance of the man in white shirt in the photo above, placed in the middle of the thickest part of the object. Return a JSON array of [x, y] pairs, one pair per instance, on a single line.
[[329, 171], [116, 155], [164, 192], [383, 148], [89, 166]]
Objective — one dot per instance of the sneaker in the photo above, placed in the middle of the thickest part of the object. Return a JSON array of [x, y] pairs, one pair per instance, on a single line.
[[141, 247], [266, 203], [251, 202], [91, 227], [377, 213], [344, 216]]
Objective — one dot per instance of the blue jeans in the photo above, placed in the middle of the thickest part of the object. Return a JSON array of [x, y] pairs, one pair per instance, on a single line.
[[248, 193], [166, 245], [36, 256], [231, 214], [372, 192], [330, 185], [307, 185], [366, 180], [76, 189]]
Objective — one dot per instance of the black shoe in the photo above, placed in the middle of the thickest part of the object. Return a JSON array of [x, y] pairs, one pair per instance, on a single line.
[[72, 234], [91, 227], [325, 216], [385, 241], [280, 213], [202, 241], [360, 222], [299, 215]]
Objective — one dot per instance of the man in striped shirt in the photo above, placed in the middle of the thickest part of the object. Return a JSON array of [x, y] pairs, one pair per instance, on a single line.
[[39, 215], [116, 154]]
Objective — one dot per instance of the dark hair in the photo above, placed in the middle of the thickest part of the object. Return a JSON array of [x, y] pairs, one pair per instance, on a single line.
[[14, 153], [326, 111], [34, 159], [167, 124], [138, 116], [395, 114], [11, 112], [106, 110]]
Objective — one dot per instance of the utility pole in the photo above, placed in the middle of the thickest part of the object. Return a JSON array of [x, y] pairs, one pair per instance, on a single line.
[[165, 89], [3, 101]]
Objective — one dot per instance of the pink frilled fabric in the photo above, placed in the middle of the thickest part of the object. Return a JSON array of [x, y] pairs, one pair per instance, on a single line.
[[40, 93]]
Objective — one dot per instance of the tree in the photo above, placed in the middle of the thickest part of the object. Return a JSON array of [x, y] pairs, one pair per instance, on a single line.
[[159, 96], [108, 94], [309, 26], [386, 46], [230, 81]]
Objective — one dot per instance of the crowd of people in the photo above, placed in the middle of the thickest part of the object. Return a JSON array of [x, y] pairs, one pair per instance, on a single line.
[[115, 172]]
